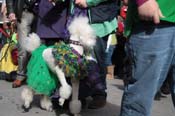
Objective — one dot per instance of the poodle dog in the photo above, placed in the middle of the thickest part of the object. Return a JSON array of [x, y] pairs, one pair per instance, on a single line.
[[64, 60], [82, 40], [40, 79]]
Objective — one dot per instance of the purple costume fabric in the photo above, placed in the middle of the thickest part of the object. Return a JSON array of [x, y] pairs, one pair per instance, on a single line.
[[51, 20], [76, 12]]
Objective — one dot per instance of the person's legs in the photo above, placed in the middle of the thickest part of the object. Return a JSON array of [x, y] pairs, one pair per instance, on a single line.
[[99, 97], [152, 50], [172, 81], [99, 51], [111, 45], [109, 64], [92, 83], [24, 27]]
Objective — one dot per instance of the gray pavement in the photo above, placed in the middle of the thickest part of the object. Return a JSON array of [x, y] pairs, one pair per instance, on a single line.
[[10, 103]]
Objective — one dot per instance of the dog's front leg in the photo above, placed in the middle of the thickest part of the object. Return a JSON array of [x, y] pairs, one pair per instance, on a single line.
[[65, 89], [46, 103], [75, 104]]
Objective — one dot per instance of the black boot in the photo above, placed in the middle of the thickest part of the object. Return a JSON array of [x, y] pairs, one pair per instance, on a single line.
[[158, 96], [97, 102]]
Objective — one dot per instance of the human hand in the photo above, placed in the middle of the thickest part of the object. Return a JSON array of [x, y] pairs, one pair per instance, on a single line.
[[81, 3], [125, 2], [12, 17], [150, 11]]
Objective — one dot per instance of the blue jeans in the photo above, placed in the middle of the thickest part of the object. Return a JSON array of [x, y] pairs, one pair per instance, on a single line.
[[108, 55], [152, 49]]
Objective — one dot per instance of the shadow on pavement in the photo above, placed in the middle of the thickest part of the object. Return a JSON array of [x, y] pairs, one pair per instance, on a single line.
[[108, 110]]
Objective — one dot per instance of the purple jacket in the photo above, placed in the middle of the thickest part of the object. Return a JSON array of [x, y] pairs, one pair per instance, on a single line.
[[51, 20]]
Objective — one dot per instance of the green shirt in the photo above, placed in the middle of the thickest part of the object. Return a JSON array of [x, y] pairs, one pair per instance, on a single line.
[[105, 28], [101, 29], [167, 8]]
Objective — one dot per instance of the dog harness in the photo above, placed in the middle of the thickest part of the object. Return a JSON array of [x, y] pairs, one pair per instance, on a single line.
[[68, 59]]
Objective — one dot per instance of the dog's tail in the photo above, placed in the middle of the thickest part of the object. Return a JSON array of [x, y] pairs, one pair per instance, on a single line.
[[31, 42]]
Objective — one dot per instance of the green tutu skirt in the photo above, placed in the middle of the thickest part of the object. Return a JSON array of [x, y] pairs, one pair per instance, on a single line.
[[40, 78]]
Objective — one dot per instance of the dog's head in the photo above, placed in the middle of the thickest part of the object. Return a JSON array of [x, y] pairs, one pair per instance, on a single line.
[[31, 42], [81, 31]]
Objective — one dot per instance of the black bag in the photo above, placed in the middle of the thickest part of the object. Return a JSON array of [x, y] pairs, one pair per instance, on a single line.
[[105, 11]]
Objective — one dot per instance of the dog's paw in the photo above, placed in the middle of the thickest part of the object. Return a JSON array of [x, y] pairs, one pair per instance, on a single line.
[[26, 109], [47, 107], [61, 101], [65, 91], [46, 104], [75, 106]]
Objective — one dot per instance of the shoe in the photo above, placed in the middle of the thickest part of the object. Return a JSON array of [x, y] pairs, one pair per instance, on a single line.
[[110, 76], [17, 83], [166, 90], [158, 95], [97, 102], [83, 103]]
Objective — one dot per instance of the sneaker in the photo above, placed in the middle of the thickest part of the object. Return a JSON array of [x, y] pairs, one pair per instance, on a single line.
[[166, 90], [158, 96], [17, 83]]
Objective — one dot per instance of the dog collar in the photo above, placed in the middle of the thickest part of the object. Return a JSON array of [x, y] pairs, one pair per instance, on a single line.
[[75, 42]]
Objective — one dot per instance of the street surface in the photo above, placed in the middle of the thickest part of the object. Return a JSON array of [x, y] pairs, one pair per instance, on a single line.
[[10, 103]]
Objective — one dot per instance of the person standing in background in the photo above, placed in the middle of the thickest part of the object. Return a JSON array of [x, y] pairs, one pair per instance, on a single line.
[[111, 45], [102, 17], [17, 11], [51, 21]]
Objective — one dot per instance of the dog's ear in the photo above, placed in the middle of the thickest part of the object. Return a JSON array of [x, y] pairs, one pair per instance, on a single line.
[[81, 28], [31, 42], [77, 25]]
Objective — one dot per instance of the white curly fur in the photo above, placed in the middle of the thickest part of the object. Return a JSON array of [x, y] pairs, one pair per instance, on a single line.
[[46, 103], [27, 96], [80, 28], [31, 42]]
